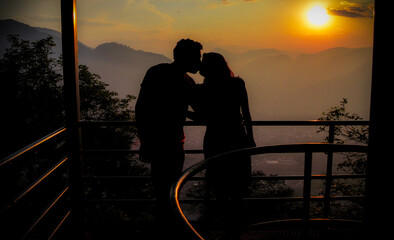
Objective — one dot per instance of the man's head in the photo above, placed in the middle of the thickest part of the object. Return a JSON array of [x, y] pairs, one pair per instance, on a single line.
[[187, 54]]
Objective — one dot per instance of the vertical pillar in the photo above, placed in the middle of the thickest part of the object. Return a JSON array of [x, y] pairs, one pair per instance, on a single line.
[[379, 170], [306, 206], [71, 95], [307, 185], [327, 192]]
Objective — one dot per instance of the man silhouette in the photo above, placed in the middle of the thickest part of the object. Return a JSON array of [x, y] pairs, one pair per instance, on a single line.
[[165, 94]]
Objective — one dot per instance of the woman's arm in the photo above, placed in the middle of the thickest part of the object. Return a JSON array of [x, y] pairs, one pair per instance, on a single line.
[[195, 102], [195, 116], [246, 116]]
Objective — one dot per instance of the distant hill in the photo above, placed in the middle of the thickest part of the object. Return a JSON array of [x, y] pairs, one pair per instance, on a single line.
[[121, 66], [281, 85], [27, 32], [118, 65], [287, 86]]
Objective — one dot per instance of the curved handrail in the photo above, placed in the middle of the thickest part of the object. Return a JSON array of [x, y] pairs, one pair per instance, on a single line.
[[290, 148]]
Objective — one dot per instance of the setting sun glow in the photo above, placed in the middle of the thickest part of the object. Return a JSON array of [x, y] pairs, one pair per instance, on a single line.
[[317, 16]]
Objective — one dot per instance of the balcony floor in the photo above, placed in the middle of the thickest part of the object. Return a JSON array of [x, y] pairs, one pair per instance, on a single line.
[[152, 232]]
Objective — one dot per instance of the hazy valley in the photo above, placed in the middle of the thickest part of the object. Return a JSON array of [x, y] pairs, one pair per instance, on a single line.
[[281, 85]]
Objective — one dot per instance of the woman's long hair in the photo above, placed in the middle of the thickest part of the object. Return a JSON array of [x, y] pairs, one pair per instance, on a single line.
[[215, 66]]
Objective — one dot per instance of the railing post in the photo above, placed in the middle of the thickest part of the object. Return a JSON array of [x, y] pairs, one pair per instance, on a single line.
[[307, 185], [327, 192], [71, 95], [306, 205]]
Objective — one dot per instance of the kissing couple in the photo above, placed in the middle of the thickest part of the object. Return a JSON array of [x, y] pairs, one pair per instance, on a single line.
[[221, 102]]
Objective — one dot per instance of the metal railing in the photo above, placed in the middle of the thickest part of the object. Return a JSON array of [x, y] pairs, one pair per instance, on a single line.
[[307, 178], [325, 201], [331, 131], [10, 218], [6, 209], [331, 136]]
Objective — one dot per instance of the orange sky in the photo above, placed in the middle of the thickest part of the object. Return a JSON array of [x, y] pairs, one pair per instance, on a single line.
[[236, 25]]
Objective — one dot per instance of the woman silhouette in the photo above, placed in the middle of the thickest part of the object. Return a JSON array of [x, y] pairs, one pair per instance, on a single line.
[[225, 109]]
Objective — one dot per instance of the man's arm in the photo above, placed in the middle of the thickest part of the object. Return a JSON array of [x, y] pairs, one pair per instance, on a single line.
[[144, 107]]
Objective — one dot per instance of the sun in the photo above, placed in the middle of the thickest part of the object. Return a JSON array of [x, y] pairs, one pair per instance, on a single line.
[[317, 16]]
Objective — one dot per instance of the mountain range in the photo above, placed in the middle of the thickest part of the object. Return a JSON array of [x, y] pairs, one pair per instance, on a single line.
[[118, 65], [281, 85]]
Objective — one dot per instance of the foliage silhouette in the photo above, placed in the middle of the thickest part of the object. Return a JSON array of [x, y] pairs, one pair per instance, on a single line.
[[31, 93], [355, 163], [351, 163], [33, 105]]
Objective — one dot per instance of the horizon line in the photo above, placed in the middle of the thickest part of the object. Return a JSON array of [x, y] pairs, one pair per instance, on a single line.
[[224, 48]]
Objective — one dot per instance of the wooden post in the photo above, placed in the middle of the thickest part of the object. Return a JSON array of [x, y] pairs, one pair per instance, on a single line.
[[379, 164], [71, 96], [307, 185], [327, 192]]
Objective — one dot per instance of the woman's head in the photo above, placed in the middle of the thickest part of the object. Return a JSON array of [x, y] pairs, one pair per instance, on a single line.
[[214, 65]]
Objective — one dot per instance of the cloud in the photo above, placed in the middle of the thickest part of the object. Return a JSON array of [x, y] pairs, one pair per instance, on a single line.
[[218, 3], [95, 22], [352, 10], [144, 9]]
